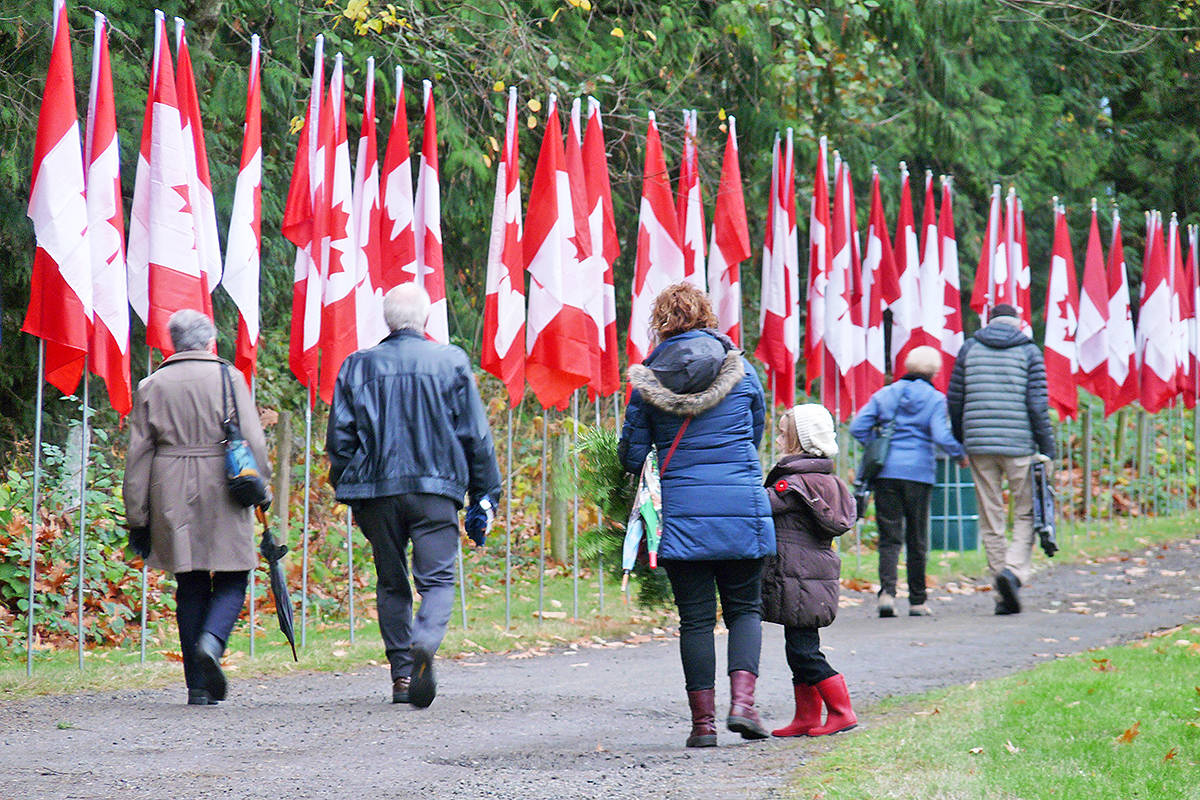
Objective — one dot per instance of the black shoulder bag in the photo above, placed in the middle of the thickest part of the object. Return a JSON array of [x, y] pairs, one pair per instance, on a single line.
[[246, 484], [873, 458]]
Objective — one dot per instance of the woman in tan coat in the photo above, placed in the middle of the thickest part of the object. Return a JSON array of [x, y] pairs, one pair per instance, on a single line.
[[181, 516]]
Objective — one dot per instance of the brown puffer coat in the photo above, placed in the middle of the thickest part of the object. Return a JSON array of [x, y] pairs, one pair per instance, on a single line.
[[812, 507]]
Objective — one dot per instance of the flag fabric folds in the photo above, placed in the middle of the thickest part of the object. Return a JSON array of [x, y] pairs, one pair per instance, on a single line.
[[1121, 374], [366, 225], [878, 278], [689, 205], [397, 245], [992, 278], [779, 313], [1191, 272], [1062, 314], [933, 293], [1091, 336], [427, 226], [730, 243], [952, 321], [1155, 345], [845, 341], [905, 302], [603, 229]]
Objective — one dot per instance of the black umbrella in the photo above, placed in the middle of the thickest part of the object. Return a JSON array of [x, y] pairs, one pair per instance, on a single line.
[[1044, 502], [272, 551]]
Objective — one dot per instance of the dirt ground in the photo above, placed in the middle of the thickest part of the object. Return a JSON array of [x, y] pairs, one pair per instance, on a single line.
[[595, 722]]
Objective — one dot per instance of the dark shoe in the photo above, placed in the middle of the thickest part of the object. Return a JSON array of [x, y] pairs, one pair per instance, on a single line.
[[200, 697], [704, 718], [808, 711], [743, 718], [887, 605], [208, 659], [1002, 608], [837, 699], [422, 687], [1007, 584], [400, 689]]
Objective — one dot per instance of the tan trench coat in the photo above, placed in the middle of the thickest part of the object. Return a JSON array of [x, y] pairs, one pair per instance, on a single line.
[[175, 467]]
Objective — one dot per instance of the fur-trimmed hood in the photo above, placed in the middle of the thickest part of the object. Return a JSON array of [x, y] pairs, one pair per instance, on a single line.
[[687, 361]]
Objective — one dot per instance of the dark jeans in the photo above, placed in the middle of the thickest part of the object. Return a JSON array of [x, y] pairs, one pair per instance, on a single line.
[[902, 510], [739, 583], [206, 602], [804, 656], [430, 522]]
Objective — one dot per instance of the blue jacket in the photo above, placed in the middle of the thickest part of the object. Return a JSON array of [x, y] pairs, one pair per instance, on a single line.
[[714, 503], [921, 422]]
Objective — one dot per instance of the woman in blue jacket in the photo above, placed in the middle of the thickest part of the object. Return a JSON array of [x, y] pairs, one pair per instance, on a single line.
[[700, 404], [904, 484]]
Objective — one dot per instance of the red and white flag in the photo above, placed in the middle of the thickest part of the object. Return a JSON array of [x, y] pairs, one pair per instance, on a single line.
[[1121, 373], [427, 226], [60, 299], [558, 340], [1191, 389], [878, 278], [905, 304], [1181, 310], [584, 286], [659, 260], [163, 263], [1024, 276], [779, 313], [933, 292], [1062, 318], [109, 349], [730, 244], [397, 246], [845, 341], [952, 327], [504, 302], [689, 205], [1091, 335], [603, 228], [993, 283], [243, 247], [305, 228], [1155, 334], [366, 224], [204, 209]]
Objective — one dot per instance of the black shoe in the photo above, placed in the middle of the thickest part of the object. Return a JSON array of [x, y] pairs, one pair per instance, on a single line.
[[1002, 609], [200, 697], [400, 689], [1007, 584], [208, 659], [423, 686]]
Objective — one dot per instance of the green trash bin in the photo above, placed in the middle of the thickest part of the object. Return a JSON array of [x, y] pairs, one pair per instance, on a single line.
[[953, 515]]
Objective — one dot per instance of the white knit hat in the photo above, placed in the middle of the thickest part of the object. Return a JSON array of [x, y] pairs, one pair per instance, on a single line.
[[815, 430]]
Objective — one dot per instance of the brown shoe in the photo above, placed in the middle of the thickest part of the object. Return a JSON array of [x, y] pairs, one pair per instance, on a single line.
[[704, 718], [400, 689], [743, 718]]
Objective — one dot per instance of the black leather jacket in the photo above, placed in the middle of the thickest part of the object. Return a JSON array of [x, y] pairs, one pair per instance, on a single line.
[[407, 418]]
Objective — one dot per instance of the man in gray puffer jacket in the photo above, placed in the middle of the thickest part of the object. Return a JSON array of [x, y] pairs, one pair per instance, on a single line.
[[999, 411]]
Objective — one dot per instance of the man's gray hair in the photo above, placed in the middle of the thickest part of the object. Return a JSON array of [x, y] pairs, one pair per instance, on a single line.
[[923, 360], [406, 307], [191, 330]]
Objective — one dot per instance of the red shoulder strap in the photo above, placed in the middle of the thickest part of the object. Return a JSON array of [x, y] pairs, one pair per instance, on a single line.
[[663, 467]]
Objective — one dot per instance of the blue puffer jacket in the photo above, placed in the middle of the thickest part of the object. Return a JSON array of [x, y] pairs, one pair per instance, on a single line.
[[921, 422], [714, 503]]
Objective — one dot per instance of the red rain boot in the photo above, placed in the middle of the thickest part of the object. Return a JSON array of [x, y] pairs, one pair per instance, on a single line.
[[743, 718], [704, 718], [808, 711], [837, 699]]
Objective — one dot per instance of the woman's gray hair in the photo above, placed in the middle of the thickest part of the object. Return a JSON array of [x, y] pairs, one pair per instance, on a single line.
[[406, 307], [923, 360], [191, 330]]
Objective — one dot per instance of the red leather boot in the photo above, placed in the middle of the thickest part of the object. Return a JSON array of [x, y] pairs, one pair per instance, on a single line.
[[837, 699], [808, 711], [704, 718], [743, 718]]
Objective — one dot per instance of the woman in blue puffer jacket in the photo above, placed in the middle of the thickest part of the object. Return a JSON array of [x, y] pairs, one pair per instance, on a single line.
[[903, 487], [700, 404]]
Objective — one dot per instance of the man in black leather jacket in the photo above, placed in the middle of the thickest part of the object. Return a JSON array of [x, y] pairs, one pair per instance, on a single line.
[[407, 439]]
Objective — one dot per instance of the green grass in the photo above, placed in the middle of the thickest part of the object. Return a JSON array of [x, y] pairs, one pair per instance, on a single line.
[[1122, 723]]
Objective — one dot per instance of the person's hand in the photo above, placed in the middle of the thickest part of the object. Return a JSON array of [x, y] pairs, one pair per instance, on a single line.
[[479, 519], [139, 541], [963, 462]]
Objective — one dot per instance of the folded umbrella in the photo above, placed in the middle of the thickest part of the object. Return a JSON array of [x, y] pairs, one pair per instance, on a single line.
[[272, 551], [645, 519], [1043, 508]]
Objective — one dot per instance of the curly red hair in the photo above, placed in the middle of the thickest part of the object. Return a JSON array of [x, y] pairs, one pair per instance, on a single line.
[[680, 308]]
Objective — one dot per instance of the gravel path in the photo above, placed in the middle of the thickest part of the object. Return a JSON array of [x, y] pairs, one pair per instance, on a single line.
[[596, 722]]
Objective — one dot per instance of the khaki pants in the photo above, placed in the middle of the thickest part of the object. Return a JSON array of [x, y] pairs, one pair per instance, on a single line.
[[990, 473]]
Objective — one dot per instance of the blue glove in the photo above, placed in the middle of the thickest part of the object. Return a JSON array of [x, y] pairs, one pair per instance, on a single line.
[[479, 519]]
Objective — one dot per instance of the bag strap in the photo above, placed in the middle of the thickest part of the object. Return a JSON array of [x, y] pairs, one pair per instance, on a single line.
[[228, 398], [663, 467]]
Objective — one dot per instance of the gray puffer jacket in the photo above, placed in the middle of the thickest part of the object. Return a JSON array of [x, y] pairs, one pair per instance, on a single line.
[[997, 397]]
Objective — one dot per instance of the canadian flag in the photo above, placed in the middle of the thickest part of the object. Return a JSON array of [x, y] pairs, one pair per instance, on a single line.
[[504, 302], [60, 299], [163, 263], [1023, 276], [993, 281], [905, 305], [1121, 375], [1062, 318], [933, 292], [820, 259], [366, 223], [659, 260], [204, 210], [689, 205], [779, 315], [427, 226], [1180, 306], [585, 291], [603, 228], [558, 339], [305, 228], [1155, 333], [398, 247], [1091, 335], [879, 278], [1190, 289], [952, 328], [242, 248], [845, 342], [730, 244], [109, 349]]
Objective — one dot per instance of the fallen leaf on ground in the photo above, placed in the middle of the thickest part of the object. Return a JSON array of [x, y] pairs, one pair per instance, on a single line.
[[1130, 734], [975, 751], [1170, 754], [1102, 665], [927, 713], [1010, 747]]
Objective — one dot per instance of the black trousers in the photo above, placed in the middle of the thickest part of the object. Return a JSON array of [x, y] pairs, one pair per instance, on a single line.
[[696, 585], [902, 510], [430, 522], [206, 602], [803, 649]]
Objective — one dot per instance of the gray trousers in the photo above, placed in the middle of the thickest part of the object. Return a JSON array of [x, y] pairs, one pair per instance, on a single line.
[[430, 522]]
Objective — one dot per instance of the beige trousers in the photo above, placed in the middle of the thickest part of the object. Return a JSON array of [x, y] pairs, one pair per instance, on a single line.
[[990, 473]]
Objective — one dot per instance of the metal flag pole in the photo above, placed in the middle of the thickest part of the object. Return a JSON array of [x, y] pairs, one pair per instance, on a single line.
[[542, 512], [508, 525], [145, 569], [575, 501], [83, 461], [350, 568], [304, 536], [33, 517], [599, 523], [254, 570]]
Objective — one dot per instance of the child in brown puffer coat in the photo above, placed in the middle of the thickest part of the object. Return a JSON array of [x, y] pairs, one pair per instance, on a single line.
[[811, 507]]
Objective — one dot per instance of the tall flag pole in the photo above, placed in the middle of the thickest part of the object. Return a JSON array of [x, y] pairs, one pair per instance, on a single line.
[[427, 225], [584, 291], [1121, 385], [1091, 337], [367, 225], [1191, 389], [933, 292], [905, 304], [779, 315], [879, 278], [243, 247], [1024, 276], [603, 228], [689, 205], [1155, 348], [730, 244], [109, 346], [776, 301], [952, 328], [398, 247], [841, 332], [1062, 317]]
